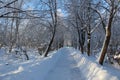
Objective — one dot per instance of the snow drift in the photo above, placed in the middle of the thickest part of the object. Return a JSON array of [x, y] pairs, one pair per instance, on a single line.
[[92, 70]]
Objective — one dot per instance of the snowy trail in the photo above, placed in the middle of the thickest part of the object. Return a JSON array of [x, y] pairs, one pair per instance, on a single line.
[[65, 68], [64, 64]]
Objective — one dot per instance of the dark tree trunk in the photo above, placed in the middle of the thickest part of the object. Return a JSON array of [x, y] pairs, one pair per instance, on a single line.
[[82, 49], [53, 7], [50, 44], [88, 44], [89, 28], [82, 40], [26, 56]]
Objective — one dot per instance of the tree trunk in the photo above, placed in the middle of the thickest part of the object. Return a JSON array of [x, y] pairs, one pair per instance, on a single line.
[[89, 28], [82, 49], [82, 40], [80, 45], [53, 6], [49, 46], [88, 44], [25, 53], [105, 46], [107, 37]]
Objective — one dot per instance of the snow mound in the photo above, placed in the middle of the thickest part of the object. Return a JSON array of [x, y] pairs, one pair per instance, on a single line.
[[20, 69], [92, 70]]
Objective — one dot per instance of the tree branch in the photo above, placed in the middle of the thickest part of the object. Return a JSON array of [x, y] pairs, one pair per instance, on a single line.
[[8, 4]]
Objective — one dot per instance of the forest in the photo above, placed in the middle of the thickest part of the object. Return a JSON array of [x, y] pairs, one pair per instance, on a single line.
[[89, 26]]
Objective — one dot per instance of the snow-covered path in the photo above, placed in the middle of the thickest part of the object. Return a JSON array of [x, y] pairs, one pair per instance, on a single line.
[[65, 68], [65, 64]]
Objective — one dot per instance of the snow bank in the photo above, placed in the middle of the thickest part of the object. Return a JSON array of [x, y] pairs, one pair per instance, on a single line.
[[92, 70]]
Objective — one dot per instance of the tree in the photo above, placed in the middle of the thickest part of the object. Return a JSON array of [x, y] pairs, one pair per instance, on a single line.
[[77, 20], [52, 4], [114, 4]]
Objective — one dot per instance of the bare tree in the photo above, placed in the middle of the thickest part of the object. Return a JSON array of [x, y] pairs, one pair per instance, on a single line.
[[77, 20], [53, 13], [114, 4]]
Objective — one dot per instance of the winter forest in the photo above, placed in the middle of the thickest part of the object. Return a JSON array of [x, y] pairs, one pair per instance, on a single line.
[[59, 39]]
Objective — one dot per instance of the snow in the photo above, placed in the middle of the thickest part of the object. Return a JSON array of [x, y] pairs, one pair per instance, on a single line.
[[20, 69], [64, 64], [117, 56], [93, 70]]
